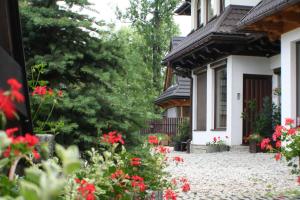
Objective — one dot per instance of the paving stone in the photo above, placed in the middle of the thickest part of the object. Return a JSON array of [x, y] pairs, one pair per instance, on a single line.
[[233, 175]]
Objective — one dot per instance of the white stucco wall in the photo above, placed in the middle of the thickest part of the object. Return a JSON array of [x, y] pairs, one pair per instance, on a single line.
[[236, 67], [172, 112], [288, 73]]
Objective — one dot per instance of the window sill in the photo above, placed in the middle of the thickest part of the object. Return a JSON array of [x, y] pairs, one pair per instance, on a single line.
[[199, 130], [218, 129]]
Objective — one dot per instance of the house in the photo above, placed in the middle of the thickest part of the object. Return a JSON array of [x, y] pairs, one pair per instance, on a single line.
[[12, 63], [175, 99], [228, 68], [280, 20]]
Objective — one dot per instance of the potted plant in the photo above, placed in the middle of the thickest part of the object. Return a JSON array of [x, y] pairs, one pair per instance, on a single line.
[[254, 142], [176, 142], [223, 146], [212, 147]]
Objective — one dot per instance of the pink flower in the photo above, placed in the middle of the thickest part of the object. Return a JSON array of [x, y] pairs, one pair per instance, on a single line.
[[278, 144], [265, 143], [289, 121], [215, 139], [177, 159]]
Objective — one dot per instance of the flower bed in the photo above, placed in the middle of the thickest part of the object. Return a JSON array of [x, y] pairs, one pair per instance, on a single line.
[[110, 172]]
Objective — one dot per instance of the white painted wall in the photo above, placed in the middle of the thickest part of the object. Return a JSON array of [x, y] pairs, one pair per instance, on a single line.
[[243, 65], [288, 74], [236, 67], [275, 62], [172, 112]]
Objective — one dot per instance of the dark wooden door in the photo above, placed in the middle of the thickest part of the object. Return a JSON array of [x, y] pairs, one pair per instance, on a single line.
[[255, 89]]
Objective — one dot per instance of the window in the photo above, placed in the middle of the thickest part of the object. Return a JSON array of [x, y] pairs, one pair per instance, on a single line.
[[222, 5], [211, 9], [220, 98], [199, 23], [201, 101]]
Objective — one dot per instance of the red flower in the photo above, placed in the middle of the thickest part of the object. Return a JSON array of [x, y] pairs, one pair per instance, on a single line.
[[118, 173], [215, 139], [291, 131], [278, 144], [86, 189], [152, 139], [170, 194], [289, 121], [7, 151], [14, 84], [186, 187], [50, 91], [10, 131], [137, 178], [183, 180], [177, 159], [40, 90], [135, 162], [112, 137], [298, 180], [36, 155], [265, 143], [162, 149], [278, 156], [60, 93], [141, 185], [6, 106], [32, 140]]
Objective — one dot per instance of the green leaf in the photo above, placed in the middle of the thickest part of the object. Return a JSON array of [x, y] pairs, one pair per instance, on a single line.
[[30, 191], [71, 167], [3, 162]]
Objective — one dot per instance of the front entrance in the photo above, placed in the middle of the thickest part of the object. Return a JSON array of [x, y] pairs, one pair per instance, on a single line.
[[255, 89]]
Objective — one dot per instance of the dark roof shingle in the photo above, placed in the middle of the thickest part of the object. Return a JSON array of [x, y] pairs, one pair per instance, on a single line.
[[264, 8], [224, 24], [179, 91]]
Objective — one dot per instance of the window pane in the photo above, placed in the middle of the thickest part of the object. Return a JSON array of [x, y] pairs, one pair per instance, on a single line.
[[221, 97], [199, 13], [201, 101], [211, 9]]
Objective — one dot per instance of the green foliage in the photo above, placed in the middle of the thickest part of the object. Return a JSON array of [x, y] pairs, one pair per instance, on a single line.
[[153, 20], [102, 74], [264, 121]]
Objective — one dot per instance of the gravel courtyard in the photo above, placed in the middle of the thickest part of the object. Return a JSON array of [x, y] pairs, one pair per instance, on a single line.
[[234, 175]]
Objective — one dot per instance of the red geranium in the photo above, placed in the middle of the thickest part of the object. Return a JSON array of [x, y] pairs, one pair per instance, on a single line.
[[7, 106], [162, 149], [86, 189], [170, 194], [278, 156], [265, 144], [178, 159], [152, 139], [135, 162], [289, 121], [40, 90], [112, 137], [186, 187]]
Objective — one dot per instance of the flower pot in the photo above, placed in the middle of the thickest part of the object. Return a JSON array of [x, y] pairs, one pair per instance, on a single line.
[[224, 148], [254, 146], [48, 141], [212, 148]]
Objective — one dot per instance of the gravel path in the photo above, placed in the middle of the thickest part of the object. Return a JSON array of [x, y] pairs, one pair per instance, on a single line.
[[234, 175]]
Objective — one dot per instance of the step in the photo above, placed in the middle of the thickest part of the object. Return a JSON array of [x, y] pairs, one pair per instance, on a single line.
[[195, 148], [239, 148]]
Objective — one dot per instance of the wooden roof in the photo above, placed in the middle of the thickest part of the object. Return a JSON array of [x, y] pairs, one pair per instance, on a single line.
[[273, 17]]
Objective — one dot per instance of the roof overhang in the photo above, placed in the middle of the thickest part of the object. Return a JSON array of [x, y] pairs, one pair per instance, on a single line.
[[184, 8], [174, 102], [275, 21]]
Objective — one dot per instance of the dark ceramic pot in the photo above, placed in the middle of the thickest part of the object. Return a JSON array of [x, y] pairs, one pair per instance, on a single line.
[[254, 147], [224, 148]]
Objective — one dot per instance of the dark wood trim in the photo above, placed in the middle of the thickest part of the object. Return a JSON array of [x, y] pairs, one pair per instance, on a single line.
[[277, 71], [200, 70], [215, 91], [13, 45], [218, 129], [219, 63]]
